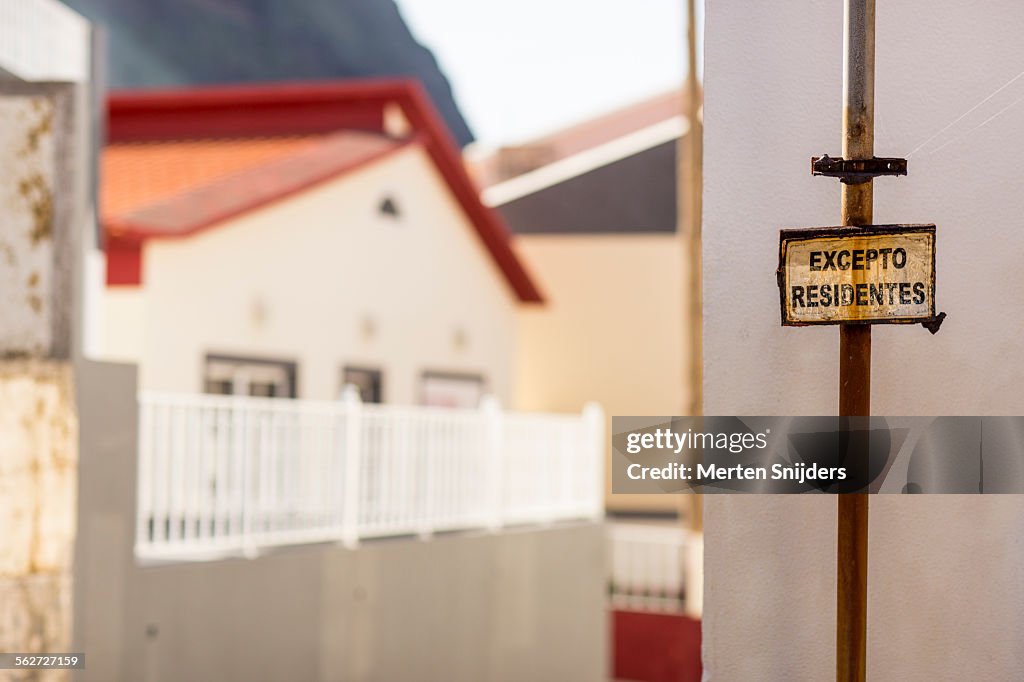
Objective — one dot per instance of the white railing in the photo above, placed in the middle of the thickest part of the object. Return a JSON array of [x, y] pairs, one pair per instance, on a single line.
[[221, 475], [43, 40], [656, 567]]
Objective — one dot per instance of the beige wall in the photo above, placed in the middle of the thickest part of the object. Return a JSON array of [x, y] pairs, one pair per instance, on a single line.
[[612, 331], [324, 280]]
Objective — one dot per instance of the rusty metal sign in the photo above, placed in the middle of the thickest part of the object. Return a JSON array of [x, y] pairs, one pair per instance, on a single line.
[[878, 274]]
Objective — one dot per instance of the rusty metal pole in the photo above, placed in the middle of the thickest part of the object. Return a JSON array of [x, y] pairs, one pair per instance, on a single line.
[[855, 341]]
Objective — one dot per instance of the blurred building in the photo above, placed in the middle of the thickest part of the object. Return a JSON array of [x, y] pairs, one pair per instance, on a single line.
[[283, 242], [286, 240], [45, 221], [594, 211]]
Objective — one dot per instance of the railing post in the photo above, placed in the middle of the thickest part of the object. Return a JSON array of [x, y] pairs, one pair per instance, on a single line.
[[694, 575], [566, 499], [490, 413], [463, 467], [145, 519], [594, 424], [352, 406], [244, 443]]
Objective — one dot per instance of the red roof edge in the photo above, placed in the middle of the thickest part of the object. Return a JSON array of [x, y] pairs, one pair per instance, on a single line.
[[307, 108], [446, 155], [245, 110]]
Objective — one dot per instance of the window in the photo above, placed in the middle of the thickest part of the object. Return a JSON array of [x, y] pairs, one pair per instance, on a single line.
[[368, 380], [450, 389], [259, 377]]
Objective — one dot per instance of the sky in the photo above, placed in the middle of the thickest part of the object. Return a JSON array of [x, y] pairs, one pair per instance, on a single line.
[[523, 68]]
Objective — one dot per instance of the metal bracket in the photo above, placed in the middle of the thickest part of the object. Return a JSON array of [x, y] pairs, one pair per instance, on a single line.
[[857, 171], [933, 324]]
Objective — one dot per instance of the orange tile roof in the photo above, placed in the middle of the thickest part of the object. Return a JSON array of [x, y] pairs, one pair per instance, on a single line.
[[211, 188], [135, 175]]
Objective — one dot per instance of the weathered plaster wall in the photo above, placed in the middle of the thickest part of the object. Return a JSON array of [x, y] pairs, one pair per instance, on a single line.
[[944, 579], [45, 207], [38, 479], [41, 202], [40, 199], [26, 201]]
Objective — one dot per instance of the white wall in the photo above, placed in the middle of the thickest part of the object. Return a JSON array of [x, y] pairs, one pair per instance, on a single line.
[[305, 279], [944, 579], [123, 323]]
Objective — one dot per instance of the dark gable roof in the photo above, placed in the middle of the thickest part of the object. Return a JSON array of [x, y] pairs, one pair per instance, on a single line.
[[633, 195]]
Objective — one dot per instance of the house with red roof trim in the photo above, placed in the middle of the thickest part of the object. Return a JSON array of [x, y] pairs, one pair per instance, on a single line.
[[283, 240]]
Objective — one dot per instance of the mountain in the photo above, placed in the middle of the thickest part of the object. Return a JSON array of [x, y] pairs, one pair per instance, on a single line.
[[174, 42]]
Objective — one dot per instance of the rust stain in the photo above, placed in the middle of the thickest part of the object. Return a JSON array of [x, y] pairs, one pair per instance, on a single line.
[[41, 613], [33, 280], [36, 192], [35, 615], [37, 516], [36, 303], [42, 127]]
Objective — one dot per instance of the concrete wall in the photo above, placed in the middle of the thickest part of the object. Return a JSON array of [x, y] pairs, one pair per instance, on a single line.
[[472, 608], [611, 331], [516, 605], [323, 279], [944, 577], [104, 557]]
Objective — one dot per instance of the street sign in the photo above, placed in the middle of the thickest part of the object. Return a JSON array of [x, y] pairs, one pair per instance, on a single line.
[[878, 274]]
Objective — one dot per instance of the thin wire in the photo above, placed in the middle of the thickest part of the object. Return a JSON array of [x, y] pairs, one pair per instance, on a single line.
[[985, 122], [966, 114]]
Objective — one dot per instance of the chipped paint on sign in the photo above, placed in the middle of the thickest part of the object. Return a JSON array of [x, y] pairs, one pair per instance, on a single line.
[[874, 274]]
